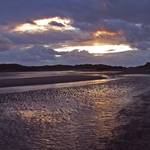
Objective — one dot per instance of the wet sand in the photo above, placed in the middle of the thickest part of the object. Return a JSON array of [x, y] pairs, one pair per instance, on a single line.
[[112, 115], [23, 78]]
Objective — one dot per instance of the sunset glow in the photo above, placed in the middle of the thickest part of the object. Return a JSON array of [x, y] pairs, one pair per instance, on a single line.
[[39, 32], [42, 25], [98, 49], [104, 32]]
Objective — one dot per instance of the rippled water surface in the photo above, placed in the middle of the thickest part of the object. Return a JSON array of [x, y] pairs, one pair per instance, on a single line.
[[113, 115]]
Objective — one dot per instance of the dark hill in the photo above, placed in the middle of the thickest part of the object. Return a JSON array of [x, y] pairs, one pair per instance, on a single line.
[[85, 67]]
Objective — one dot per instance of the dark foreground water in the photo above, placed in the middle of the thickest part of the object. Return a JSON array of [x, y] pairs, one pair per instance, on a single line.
[[113, 115]]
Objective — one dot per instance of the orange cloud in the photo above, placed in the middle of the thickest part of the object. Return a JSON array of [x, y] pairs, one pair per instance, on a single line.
[[105, 32]]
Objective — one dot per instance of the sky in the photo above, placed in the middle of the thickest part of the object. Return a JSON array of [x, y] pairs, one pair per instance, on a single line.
[[49, 32]]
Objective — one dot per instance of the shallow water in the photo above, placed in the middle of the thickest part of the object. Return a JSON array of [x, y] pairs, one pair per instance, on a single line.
[[18, 89], [112, 115], [21, 75]]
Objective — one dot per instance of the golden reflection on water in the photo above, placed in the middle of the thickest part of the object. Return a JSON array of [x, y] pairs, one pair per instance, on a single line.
[[45, 116], [68, 118]]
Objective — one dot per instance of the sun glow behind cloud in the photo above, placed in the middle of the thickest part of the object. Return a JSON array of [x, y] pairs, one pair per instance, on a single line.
[[98, 49], [95, 45], [43, 25], [105, 32]]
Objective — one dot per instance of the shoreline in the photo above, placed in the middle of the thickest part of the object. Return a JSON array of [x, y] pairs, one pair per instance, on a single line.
[[47, 80]]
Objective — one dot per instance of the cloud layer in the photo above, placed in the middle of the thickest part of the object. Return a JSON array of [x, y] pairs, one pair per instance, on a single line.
[[38, 55], [90, 21]]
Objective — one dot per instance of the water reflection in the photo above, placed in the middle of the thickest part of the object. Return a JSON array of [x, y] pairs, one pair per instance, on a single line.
[[90, 117], [19, 89]]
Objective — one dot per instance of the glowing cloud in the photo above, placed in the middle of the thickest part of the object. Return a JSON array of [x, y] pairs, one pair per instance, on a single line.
[[105, 32], [42, 25], [98, 49]]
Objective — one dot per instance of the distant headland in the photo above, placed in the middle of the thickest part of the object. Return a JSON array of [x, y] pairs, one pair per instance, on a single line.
[[83, 67]]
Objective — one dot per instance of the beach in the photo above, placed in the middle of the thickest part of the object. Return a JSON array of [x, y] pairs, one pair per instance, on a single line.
[[108, 115], [13, 79]]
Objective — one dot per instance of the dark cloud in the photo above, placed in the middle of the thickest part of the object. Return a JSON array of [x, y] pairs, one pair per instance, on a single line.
[[129, 58], [20, 10], [130, 10], [54, 23], [88, 15], [84, 11], [36, 55], [49, 37], [39, 55], [5, 43], [143, 45]]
